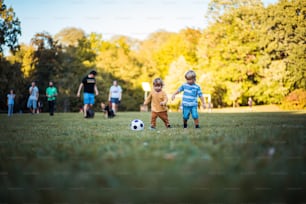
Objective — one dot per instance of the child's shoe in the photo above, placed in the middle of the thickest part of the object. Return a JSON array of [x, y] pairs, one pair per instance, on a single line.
[[152, 128]]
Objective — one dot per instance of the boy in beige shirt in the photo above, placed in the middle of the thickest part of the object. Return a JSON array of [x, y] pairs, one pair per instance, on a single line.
[[158, 99]]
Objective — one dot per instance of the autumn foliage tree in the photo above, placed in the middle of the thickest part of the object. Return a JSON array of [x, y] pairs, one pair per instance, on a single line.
[[247, 50]]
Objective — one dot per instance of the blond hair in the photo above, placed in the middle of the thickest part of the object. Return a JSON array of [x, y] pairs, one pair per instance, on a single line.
[[190, 75]]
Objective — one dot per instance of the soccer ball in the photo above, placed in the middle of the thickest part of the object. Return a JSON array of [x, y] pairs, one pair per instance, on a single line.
[[137, 125]]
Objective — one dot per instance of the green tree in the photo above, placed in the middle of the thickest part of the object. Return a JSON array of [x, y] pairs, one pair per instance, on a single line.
[[114, 60], [283, 40], [76, 57], [117, 59], [217, 8], [46, 54], [183, 43], [229, 52], [146, 54], [10, 71], [9, 28], [271, 88], [11, 78]]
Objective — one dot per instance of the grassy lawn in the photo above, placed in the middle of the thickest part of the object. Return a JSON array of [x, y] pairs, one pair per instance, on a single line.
[[245, 157]]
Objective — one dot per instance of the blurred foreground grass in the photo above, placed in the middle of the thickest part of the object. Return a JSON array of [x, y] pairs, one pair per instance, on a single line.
[[234, 158]]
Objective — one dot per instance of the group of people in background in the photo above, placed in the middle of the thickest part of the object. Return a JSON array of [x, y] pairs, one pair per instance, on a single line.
[[32, 103], [90, 90], [157, 97]]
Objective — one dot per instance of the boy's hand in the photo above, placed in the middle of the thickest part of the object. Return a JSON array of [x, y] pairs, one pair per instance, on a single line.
[[173, 97], [204, 105]]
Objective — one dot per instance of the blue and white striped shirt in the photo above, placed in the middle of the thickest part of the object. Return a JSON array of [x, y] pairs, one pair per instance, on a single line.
[[191, 94]]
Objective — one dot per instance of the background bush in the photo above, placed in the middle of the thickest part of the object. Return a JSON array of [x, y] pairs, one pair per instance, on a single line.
[[296, 100]]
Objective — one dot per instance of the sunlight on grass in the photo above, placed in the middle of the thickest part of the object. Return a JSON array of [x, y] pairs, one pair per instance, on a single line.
[[232, 157]]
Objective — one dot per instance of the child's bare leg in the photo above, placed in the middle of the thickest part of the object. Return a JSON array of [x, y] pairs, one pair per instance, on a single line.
[[86, 106], [196, 123]]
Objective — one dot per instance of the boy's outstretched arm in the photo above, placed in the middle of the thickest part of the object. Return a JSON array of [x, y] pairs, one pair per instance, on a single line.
[[175, 93], [203, 102]]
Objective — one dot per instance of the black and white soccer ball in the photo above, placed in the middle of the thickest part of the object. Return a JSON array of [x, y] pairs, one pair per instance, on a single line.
[[137, 125]]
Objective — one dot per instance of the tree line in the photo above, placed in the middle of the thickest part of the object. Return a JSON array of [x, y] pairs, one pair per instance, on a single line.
[[247, 50]]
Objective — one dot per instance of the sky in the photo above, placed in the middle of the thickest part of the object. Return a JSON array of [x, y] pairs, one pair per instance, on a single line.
[[133, 18]]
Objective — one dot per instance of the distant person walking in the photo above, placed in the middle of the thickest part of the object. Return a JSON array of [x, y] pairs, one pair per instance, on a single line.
[[158, 99], [51, 93], [10, 102], [190, 98], [250, 103], [90, 89], [115, 95], [33, 98]]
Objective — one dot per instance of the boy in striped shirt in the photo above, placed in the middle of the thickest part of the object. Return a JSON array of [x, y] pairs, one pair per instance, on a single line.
[[190, 98]]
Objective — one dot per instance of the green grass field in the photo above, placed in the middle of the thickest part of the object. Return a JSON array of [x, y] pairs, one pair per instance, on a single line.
[[247, 157]]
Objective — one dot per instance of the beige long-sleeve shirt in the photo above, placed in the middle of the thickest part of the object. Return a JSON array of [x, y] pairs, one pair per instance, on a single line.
[[156, 98]]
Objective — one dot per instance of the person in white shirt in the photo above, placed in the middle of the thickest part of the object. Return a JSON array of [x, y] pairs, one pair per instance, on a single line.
[[33, 98], [115, 94]]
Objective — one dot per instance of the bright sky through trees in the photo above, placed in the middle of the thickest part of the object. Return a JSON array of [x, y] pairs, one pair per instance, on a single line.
[[134, 18]]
